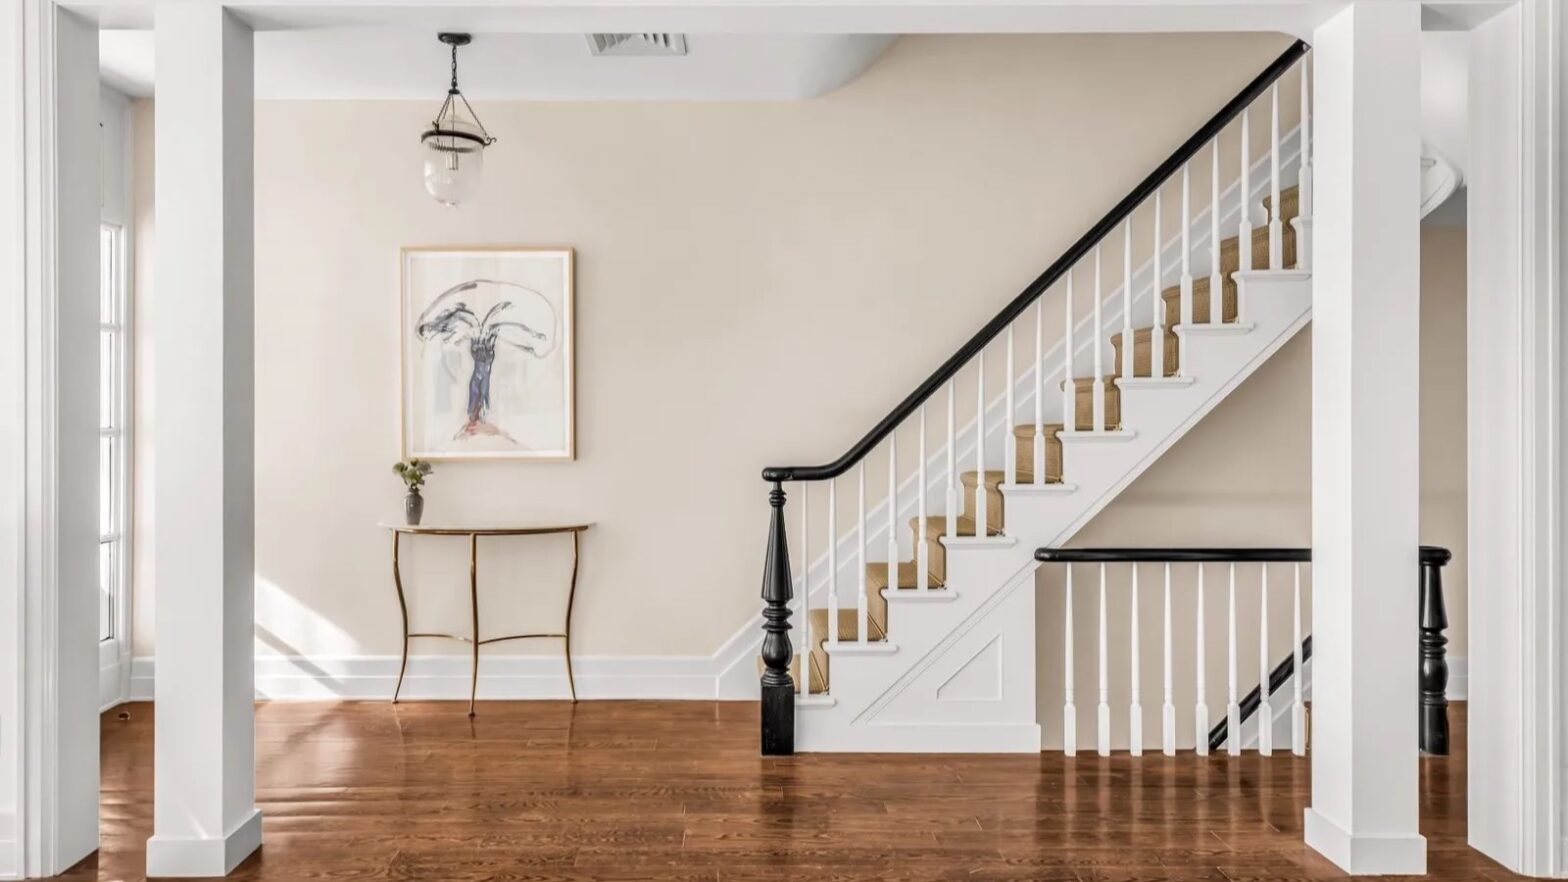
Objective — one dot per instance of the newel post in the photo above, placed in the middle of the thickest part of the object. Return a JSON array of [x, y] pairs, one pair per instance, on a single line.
[[1434, 652], [778, 687]]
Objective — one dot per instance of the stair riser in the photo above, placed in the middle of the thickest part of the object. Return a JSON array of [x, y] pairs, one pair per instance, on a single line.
[[1084, 399], [1143, 353], [993, 506], [1025, 461]]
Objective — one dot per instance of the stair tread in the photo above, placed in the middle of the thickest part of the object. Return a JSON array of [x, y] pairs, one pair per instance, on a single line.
[[908, 572]]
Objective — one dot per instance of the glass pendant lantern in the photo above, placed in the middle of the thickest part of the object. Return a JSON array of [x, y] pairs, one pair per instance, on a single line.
[[454, 145]]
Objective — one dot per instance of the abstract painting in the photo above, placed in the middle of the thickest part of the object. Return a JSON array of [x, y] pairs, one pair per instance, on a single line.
[[488, 353]]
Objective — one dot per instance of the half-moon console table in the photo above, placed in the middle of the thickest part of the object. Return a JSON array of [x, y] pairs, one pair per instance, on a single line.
[[474, 641]]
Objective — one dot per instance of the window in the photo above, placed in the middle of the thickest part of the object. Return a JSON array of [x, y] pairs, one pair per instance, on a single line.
[[113, 459]]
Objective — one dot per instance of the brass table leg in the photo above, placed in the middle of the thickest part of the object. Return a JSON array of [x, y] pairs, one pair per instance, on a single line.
[[402, 605], [473, 605], [566, 632]]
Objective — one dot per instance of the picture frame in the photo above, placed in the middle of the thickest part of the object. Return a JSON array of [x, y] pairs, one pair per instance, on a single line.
[[487, 353]]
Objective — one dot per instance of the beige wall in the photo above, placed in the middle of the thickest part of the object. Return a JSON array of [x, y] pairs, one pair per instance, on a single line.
[[755, 282]]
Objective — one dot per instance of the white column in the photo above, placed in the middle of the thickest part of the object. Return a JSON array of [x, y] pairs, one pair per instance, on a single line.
[[205, 819], [1366, 299]]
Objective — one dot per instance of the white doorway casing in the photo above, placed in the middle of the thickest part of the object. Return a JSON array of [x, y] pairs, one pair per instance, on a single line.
[[49, 666], [1517, 457]]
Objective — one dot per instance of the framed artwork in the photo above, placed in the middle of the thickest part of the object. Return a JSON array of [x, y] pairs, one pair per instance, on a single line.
[[488, 354]]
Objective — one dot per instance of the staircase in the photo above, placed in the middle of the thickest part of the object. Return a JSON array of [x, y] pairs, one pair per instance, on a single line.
[[917, 624]]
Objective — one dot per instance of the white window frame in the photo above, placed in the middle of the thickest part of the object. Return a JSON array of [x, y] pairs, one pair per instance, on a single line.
[[114, 651]]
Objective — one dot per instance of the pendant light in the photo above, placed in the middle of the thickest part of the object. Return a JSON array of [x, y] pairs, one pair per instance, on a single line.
[[454, 145]]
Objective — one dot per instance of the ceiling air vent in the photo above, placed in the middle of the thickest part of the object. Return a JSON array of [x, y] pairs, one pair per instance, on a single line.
[[637, 44]]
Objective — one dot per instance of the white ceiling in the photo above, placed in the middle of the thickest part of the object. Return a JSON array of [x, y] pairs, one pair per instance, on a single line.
[[408, 63]]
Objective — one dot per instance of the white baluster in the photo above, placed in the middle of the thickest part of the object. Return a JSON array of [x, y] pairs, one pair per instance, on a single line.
[[1232, 703], [1010, 438], [1127, 341], [1098, 421], [1186, 248], [892, 513], [861, 559], [1135, 712], [952, 461], [1298, 710], [1276, 214], [1039, 391], [1304, 177], [832, 560], [1103, 711], [1069, 381], [981, 523], [1070, 707], [1216, 279], [1265, 706], [1244, 243], [1168, 709], [1201, 710], [1156, 298], [922, 544], [805, 589]]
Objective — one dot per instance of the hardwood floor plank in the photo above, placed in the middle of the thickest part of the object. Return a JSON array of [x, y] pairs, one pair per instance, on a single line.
[[676, 791]]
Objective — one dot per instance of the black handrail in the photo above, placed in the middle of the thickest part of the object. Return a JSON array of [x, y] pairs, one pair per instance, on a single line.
[[1079, 250], [1430, 555], [1173, 555]]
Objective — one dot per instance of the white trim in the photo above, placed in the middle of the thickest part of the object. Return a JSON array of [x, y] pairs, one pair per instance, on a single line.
[[56, 743], [168, 856], [1516, 465], [513, 677], [13, 447], [1365, 855], [446, 677]]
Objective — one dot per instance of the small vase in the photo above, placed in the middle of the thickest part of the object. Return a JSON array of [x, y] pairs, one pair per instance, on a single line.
[[413, 507]]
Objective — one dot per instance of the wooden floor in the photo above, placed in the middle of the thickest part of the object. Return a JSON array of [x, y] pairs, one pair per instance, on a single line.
[[676, 791]]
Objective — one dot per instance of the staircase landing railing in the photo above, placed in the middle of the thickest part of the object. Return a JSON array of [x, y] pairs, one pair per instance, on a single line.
[[1260, 702]]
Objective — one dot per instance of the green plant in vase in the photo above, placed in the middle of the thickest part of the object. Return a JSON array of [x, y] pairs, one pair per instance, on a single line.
[[413, 472]]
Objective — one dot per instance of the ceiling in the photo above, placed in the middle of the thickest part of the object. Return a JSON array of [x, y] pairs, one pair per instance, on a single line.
[[403, 62]]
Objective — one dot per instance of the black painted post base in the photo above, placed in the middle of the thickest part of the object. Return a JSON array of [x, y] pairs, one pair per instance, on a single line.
[[1434, 653], [778, 687], [778, 720], [1434, 729]]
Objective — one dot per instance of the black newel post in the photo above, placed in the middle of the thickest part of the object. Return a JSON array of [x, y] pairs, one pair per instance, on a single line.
[[778, 687], [1434, 652]]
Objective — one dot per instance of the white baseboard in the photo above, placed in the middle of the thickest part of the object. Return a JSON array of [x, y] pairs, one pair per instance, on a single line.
[[372, 677], [1361, 855], [1458, 678], [204, 857]]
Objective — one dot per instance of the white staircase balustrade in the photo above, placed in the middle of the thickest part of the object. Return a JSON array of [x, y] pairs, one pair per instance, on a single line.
[[1254, 719], [943, 645]]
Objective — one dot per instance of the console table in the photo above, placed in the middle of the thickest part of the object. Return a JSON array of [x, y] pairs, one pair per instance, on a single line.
[[474, 640]]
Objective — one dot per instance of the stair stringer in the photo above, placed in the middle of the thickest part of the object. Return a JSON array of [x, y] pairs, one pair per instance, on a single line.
[[887, 701]]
